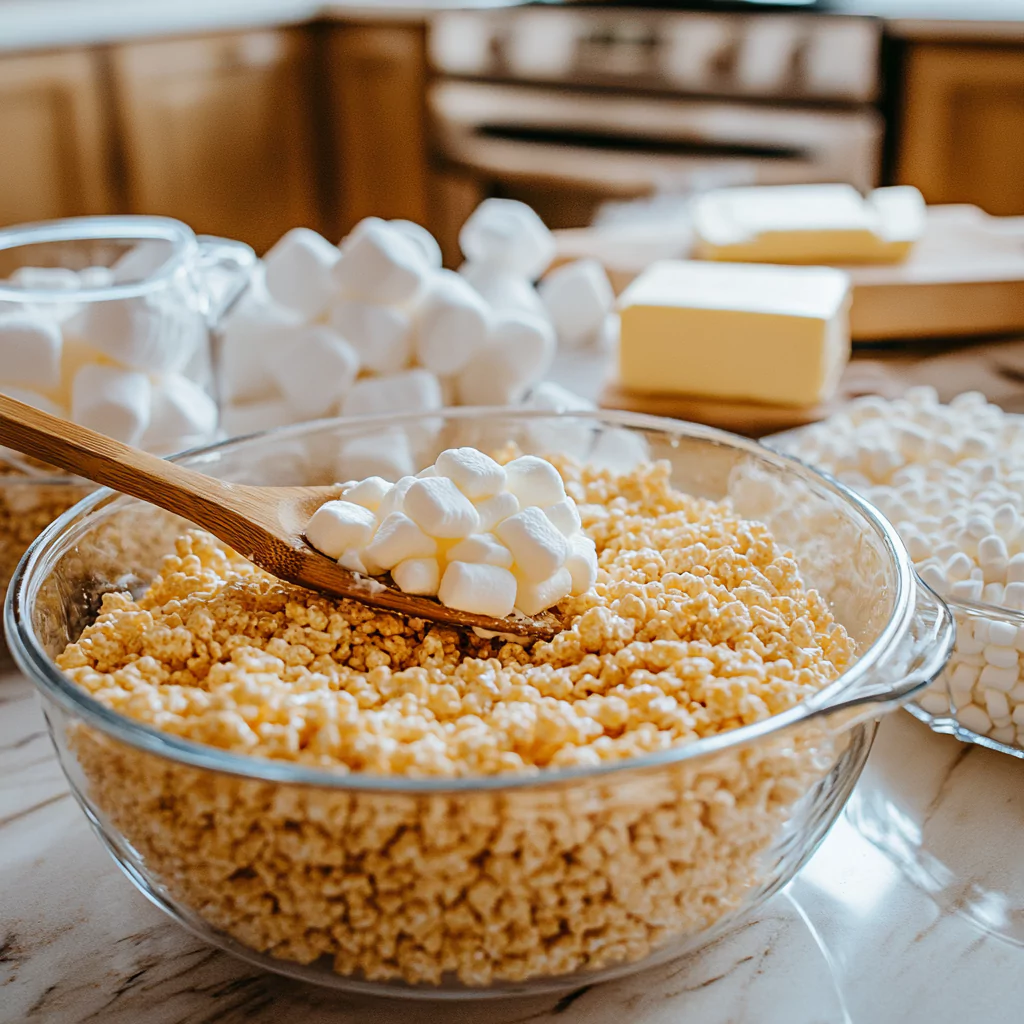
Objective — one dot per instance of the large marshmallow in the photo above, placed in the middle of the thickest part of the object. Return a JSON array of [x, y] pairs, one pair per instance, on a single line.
[[314, 369], [555, 398], [494, 510], [534, 596], [508, 233], [369, 492], [452, 326], [337, 526], [534, 481], [112, 401], [537, 546], [581, 563], [250, 338], [238, 420], [475, 474], [30, 351], [578, 298], [409, 391], [381, 335], [397, 538], [380, 265], [481, 548], [152, 333], [565, 516], [394, 498], [417, 576], [182, 415], [384, 453], [518, 353], [297, 271], [502, 291], [441, 509], [422, 238], [33, 398], [481, 588]]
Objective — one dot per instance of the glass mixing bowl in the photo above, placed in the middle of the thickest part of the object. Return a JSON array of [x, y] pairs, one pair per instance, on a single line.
[[484, 885]]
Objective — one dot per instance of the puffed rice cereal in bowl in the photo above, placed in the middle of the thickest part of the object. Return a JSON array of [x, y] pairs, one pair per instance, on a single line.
[[390, 805]]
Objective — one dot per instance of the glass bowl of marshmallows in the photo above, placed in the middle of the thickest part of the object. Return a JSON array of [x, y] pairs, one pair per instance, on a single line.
[[106, 321], [951, 479], [382, 804]]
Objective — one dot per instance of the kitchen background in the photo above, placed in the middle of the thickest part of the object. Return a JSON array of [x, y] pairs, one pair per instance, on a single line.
[[244, 119]]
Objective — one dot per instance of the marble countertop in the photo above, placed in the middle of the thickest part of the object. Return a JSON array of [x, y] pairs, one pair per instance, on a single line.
[[911, 912], [50, 24]]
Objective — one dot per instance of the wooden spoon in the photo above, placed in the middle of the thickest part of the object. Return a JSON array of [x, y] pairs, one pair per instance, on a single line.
[[265, 524]]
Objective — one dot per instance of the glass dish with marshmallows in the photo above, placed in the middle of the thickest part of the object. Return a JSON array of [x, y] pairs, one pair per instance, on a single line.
[[387, 805]]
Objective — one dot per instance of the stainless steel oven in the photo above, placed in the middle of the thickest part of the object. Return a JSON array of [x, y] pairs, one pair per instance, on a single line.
[[578, 104]]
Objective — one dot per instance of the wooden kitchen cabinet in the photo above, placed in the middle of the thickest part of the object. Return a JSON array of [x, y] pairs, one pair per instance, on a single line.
[[376, 86], [53, 138], [218, 132], [962, 125]]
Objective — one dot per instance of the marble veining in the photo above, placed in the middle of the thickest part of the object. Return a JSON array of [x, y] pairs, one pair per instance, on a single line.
[[911, 911]]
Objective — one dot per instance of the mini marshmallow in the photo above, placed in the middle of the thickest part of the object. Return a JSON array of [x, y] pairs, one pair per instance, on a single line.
[[478, 587], [422, 239], [141, 261], [417, 576], [509, 234], [30, 351], [182, 414], [397, 539], [475, 474], [381, 335], [384, 453], [495, 510], [314, 369], [974, 718], [565, 516], [369, 492], [441, 509], [112, 401], [581, 563], [239, 419], [298, 271], [353, 561], [534, 481], [453, 325], [46, 279], [409, 391], [381, 265], [96, 277], [553, 397], [337, 526], [394, 499], [33, 398], [481, 548], [503, 291], [578, 296], [538, 548], [534, 597], [153, 333]]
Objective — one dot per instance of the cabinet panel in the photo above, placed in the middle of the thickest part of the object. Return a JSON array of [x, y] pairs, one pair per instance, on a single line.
[[54, 138], [963, 126], [377, 89], [217, 131]]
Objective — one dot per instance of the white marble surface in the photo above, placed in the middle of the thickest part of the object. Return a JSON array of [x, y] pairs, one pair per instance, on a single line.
[[911, 912]]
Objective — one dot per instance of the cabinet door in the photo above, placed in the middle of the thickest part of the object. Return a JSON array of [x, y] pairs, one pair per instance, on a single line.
[[53, 139], [217, 131], [962, 134], [377, 94]]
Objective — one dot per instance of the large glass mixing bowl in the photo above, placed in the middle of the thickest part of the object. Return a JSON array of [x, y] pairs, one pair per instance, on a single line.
[[487, 885]]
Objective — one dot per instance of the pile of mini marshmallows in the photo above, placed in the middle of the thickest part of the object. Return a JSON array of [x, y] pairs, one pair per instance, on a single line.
[[114, 365], [375, 325], [480, 537], [951, 479]]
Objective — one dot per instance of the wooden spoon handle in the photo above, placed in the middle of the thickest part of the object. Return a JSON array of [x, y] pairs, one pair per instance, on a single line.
[[105, 461]]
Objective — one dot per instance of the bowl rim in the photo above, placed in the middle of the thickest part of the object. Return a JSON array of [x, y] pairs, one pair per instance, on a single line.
[[49, 680]]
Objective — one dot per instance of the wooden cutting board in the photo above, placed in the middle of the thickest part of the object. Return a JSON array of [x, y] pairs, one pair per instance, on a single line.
[[965, 277], [861, 377]]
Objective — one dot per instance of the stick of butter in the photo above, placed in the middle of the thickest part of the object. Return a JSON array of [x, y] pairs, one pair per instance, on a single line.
[[772, 334], [808, 224]]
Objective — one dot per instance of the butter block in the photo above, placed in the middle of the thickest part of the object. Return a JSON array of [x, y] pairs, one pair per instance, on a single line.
[[808, 224], [772, 334]]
